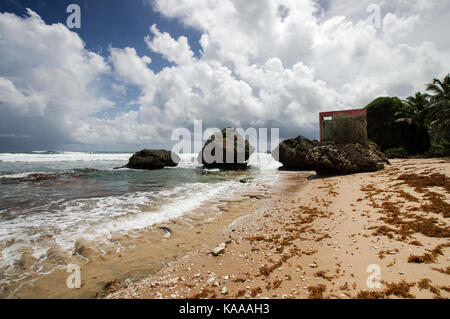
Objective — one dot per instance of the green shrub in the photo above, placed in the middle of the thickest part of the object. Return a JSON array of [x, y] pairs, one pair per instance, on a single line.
[[439, 133], [398, 152], [372, 143], [440, 149], [383, 128], [393, 103]]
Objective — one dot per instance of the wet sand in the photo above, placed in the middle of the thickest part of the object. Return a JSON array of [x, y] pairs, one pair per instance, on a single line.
[[135, 255], [323, 239]]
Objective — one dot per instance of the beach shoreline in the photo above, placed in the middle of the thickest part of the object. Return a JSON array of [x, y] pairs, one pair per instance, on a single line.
[[325, 238], [188, 215]]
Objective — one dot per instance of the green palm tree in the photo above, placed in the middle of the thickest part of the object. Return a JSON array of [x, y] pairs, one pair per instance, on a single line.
[[439, 109], [414, 110]]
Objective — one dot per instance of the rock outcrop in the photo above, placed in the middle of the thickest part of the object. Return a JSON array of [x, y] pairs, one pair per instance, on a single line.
[[226, 150], [376, 153], [327, 158], [292, 153], [344, 159], [153, 159]]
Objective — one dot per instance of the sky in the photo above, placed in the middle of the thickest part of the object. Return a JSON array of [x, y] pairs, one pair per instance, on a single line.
[[138, 69]]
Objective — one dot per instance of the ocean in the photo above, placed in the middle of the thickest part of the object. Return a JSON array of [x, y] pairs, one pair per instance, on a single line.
[[53, 203]]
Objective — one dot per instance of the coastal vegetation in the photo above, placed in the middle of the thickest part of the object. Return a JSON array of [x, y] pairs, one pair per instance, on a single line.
[[387, 132], [398, 152], [438, 109], [419, 124]]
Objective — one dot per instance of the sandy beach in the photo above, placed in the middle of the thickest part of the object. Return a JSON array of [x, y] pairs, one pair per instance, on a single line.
[[325, 238], [173, 151]]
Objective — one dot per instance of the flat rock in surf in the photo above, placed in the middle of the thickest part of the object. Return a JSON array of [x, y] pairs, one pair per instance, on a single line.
[[153, 159]]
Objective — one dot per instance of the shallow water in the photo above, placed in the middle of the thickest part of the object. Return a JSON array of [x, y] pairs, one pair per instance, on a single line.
[[55, 206]]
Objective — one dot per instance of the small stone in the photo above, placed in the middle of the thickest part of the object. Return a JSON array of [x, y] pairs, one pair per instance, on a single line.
[[218, 250], [224, 291]]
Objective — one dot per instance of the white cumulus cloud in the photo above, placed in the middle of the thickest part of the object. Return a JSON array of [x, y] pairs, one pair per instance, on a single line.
[[262, 63], [45, 77]]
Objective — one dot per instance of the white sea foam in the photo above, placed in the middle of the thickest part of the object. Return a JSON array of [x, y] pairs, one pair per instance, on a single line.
[[261, 161], [63, 157], [24, 176], [98, 219], [19, 175], [15, 176], [188, 160]]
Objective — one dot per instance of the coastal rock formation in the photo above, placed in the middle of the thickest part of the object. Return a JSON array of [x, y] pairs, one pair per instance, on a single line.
[[226, 150], [153, 159], [292, 153], [345, 159], [376, 153], [327, 158]]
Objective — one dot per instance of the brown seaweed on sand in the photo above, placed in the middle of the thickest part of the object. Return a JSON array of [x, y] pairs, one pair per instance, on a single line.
[[400, 289], [316, 292]]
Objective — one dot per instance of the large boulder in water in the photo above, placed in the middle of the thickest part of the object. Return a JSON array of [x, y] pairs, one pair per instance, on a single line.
[[292, 152], [153, 159], [226, 150], [345, 159]]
